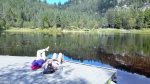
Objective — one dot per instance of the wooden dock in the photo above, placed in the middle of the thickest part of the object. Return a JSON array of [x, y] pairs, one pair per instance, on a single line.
[[16, 70]]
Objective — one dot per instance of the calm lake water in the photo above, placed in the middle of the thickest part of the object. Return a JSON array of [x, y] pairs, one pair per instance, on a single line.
[[128, 53]]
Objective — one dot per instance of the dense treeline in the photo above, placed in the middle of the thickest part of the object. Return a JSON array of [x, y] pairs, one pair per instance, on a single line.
[[90, 14], [37, 14]]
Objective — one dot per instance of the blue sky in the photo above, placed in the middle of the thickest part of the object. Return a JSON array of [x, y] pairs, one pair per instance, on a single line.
[[52, 1]]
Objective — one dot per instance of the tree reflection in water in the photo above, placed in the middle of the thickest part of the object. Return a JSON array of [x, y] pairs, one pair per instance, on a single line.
[[133, 64]]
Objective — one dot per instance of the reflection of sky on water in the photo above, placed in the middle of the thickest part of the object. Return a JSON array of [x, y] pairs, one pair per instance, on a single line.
[[123, 77], [129, 78]]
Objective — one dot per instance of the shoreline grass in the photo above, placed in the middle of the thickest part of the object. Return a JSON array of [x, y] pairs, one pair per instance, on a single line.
[[59, 30], [52, 30]]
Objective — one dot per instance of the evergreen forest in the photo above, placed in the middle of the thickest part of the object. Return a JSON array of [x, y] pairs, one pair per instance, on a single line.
[[82, 14]]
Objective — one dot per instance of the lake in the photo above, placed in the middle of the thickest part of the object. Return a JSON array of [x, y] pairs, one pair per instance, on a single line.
[[128, 53]]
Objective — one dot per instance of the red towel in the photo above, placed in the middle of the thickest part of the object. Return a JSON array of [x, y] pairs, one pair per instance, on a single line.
[[33, 67]]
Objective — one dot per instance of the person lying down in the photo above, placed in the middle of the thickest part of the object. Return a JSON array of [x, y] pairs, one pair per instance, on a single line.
[[53, 64]]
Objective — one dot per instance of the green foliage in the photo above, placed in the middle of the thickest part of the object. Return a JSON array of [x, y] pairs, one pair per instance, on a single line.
[[111, 18], [147, 17], [2, 23], [58, 21], [89, 14], [118, 22], [140, 20]]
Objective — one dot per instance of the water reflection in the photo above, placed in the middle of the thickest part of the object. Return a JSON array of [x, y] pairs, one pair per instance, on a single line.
[[127, 52], [128, 78]]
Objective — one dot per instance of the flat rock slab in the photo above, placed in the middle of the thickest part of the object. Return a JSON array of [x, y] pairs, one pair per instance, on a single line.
[[16, 70]]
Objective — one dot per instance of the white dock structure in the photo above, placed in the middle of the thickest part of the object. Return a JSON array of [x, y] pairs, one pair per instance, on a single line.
[[16, 70]]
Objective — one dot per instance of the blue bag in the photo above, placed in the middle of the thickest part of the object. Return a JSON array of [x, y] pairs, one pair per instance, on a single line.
[[38, 62], [34, 63]]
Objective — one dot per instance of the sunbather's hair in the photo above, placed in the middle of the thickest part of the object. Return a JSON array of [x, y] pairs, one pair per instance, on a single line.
[[49, 65], [49, 69]]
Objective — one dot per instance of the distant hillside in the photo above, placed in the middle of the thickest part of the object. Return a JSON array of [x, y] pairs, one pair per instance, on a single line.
[[89, 6], [101, 6]]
